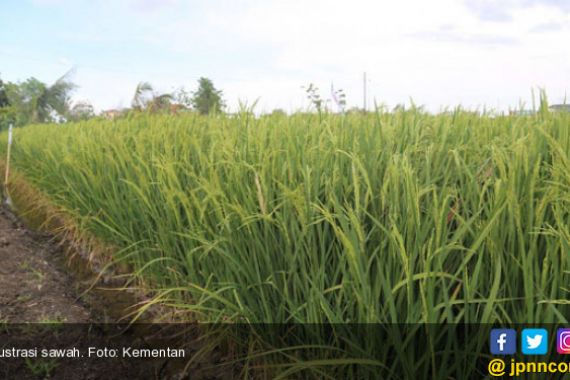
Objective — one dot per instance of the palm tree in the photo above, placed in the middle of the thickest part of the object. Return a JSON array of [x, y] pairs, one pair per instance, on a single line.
[[36, 102], [146, 98], [142, 93], [160, 102], [56, 97]]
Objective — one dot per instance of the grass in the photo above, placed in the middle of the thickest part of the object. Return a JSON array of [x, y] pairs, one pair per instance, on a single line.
[[401, 217], [41, 367]]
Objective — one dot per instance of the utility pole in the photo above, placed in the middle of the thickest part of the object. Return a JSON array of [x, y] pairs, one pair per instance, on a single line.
[[364, 91]]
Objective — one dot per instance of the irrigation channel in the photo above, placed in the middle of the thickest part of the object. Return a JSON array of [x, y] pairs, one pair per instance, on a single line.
[[41, 284]]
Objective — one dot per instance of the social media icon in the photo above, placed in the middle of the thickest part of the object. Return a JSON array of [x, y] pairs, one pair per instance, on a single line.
[[503, 341], [534, 341], [563, 341]]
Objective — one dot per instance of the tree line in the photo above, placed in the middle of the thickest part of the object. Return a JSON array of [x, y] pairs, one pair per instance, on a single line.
[[33, 101]]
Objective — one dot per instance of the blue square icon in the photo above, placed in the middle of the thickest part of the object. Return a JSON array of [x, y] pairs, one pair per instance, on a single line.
[[503, 341], [534, 341]]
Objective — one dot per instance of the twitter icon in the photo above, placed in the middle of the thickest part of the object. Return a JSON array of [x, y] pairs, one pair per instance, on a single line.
[[534, 341]]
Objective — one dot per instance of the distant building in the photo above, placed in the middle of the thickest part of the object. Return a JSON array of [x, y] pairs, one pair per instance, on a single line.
[[176, 108], [560, 108], [111, 114]]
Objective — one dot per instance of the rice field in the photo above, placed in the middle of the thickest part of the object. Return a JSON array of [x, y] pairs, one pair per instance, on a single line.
[[401, 217]]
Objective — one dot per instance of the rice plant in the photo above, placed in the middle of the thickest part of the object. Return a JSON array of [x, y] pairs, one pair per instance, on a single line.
[[401, 217]]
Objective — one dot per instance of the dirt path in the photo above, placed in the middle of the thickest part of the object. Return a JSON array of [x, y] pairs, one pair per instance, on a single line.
[[34, 287]]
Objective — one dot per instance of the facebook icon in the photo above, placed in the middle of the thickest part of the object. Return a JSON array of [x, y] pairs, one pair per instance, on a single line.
[[503, 341]]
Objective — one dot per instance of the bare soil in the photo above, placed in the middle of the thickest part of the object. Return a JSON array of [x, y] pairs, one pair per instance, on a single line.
[[34, 287]]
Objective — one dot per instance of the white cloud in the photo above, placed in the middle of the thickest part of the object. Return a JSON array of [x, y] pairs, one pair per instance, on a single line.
[[441, 52]]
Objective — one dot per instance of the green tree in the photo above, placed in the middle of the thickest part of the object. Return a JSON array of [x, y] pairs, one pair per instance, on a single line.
[[35, 102], [143, 93], [183, 97], [3, 97], [207, 99], [160, 103], [146, 99], [278, 112], [81, 111], [7, 113]]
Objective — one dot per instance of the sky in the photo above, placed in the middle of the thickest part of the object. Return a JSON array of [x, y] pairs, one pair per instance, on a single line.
[[438, 53]]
